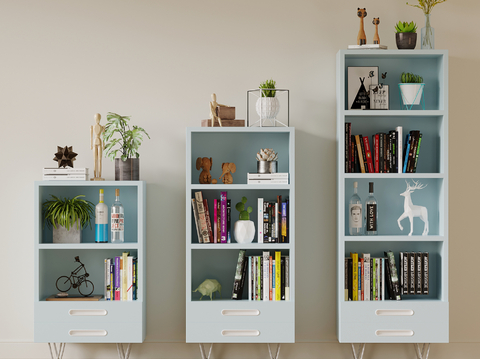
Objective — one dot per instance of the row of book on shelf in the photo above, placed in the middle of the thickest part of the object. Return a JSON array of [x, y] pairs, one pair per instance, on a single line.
[[272, 215], [65, 174], [121, 277], [388, 153], [368, 278], [267, 276], [267, 178]]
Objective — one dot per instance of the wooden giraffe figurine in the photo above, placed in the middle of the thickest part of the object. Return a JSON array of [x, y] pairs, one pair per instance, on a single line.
[[361, 38], [376, 38]]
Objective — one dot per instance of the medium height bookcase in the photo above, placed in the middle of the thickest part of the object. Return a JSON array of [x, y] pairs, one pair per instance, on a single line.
[[225, 320], [418, 318], [89, 321]]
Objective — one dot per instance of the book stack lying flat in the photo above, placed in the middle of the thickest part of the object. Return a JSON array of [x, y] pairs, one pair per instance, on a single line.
[[65, 174], [267, 178]]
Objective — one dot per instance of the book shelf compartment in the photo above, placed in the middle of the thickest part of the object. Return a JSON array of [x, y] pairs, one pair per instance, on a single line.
[[240, 148], [54, 263], [221, 265], [391, 204], [235, 196], [436, 252], [128, 197], [429, 66]]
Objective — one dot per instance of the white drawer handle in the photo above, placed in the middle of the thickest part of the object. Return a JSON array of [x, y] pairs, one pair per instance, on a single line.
[[240, 333], [87, 333], [240, 312], [87, 312], [390, 312], [394, 333]]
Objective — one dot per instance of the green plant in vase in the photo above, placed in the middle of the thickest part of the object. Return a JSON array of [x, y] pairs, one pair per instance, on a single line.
[[427, 33], [405, 27], [67, 216], [411, 88], [267, 105], [129, 139], [244, 228], [406, 35]]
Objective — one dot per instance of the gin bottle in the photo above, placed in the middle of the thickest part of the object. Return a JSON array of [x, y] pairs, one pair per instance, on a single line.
[[355, 216], [101, 220], [116, 220], [371, 212]]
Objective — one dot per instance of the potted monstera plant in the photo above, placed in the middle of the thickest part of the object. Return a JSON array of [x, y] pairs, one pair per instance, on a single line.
[[267, 105], [244, 228], [406, 35], [67, 216], [127, 166], [411, 88]]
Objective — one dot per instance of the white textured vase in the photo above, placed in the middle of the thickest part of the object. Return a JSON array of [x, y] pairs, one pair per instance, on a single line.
[[411, 93], [244, 231], [267, 107]]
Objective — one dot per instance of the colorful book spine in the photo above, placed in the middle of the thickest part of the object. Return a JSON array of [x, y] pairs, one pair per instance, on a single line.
[[117, 282], [368, 155], [278, 282], [354, 276], [287, 277], [377, 153], [250, 276], [201, 217], [399, 130], [366, 276], [348, 133], [407, 150], [229, 220], [260, 220], [359, 152], [207, 219], [197, 221], [124, 274], [239, 271], [259, 278], [270, 277], [130, 278], [426, 284], [223, 215], [417, 153], [215, 223], [266, 275]]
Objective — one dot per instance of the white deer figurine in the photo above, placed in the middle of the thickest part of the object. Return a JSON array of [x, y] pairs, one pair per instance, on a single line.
[[410, 210]]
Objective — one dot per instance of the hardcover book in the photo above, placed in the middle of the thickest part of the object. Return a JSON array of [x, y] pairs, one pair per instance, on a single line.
[[394, 275], [239, 272]]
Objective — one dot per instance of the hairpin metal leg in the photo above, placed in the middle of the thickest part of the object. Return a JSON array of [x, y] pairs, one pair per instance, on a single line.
[[358, 354], [122, 353], [277, 352], [423, 352], [202, 351], [57, 352]]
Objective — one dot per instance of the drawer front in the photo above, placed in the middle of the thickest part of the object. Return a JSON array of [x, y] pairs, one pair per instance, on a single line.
[[240, 332], [88, 332], [240, 312], [394, 322], [88, 312]]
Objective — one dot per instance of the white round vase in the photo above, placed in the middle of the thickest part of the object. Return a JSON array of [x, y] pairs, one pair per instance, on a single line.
[[411, 93], [244, 231], [267, 107]]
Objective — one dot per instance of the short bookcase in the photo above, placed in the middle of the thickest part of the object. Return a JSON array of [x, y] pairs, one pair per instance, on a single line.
[[89, 321], [225, 320], [418, 318]]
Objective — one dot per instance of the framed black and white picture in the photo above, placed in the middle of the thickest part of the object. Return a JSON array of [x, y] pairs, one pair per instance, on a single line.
[[359, 81], [379, 99]]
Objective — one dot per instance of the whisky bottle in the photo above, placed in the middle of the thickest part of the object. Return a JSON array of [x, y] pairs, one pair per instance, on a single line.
[[117, 220]]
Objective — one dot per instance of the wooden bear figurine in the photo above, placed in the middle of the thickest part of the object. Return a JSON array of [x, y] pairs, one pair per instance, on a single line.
[[205, 164], [361, 38], [376, 38]]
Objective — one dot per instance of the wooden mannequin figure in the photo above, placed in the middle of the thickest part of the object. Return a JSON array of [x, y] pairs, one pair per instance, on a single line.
[[376, 38], [97, 145], [361, 38], [213, 110]]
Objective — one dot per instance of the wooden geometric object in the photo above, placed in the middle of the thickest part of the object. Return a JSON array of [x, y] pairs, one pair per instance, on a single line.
[[225, 123], [225, 113], [65, 156]]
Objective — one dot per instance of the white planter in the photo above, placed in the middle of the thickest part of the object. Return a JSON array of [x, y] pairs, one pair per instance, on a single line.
[[267, 107], [244, 231], [411, 93], [61, 235]]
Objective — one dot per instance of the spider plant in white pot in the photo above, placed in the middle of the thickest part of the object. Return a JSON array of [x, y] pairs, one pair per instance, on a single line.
[[267, 105]]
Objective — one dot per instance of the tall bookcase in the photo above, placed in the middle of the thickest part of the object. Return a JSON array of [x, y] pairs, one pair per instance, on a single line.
[[415, 318], [89, 321], [225, 320]]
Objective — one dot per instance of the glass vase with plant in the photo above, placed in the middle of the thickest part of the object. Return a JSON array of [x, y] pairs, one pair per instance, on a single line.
[[427, 32], [128, 141]]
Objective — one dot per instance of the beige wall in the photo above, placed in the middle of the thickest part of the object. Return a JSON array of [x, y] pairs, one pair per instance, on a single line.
[[159, 61]]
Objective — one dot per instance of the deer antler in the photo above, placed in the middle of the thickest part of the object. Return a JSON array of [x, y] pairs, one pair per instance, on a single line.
[[418, 185]]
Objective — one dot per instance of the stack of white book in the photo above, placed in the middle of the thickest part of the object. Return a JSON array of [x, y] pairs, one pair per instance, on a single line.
[[65, 174], [267, 178]]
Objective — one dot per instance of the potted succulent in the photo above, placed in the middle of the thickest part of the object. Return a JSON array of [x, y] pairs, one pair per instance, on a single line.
[[267, 105], [127, 167], [244, 228], [406, 35], [411, 88], [67, 216]]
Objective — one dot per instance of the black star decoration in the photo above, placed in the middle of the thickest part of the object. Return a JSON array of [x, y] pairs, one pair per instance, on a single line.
[[65, 156]]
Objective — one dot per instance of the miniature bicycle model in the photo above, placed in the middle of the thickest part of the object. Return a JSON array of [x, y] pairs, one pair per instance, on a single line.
[[84, 286]]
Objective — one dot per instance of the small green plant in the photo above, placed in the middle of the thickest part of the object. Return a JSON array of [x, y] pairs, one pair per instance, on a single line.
[[405, 27], [244, 214], [67, 211], [269, 84], [409, 78], [130, 138]]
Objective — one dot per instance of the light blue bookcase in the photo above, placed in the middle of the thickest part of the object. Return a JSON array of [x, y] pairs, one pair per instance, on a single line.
[[89, 321], [417, 318], [225, 320]]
